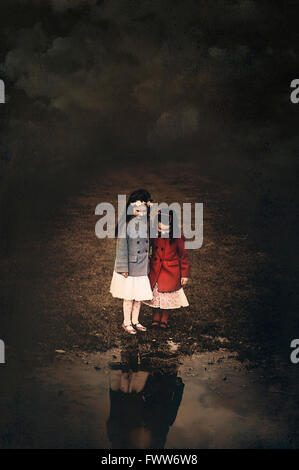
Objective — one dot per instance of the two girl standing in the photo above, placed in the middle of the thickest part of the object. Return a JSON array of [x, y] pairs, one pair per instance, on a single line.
[[155, 280]]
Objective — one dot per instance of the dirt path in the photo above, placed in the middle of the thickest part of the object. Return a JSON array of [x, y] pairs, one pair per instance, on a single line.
[[62, 278]]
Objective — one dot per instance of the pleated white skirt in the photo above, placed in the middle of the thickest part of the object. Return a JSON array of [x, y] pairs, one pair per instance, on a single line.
[[131, 287]]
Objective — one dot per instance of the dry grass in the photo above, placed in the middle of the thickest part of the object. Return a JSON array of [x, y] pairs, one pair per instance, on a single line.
[[59, 282]]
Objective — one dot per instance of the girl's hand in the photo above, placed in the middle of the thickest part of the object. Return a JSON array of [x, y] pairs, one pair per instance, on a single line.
[[184, 281], [124, 274]]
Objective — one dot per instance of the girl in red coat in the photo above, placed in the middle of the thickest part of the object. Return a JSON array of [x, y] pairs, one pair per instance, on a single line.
[[169, 271]]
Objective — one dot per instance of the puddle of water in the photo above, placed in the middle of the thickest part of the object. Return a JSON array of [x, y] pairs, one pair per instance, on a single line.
[[132, 398]]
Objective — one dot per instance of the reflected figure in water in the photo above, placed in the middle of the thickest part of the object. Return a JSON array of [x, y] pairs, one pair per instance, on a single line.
[[145, 395]]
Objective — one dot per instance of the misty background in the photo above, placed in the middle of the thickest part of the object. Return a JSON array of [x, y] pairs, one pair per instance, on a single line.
[[94, 85]]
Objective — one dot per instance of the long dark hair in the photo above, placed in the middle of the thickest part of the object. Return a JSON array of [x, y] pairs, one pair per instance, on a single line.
[[139, 195], [173, 221]]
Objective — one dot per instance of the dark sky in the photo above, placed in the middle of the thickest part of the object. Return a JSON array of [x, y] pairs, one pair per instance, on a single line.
[[204, 76]]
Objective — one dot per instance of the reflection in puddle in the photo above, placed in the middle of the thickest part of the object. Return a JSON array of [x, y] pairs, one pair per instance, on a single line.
[[145, 394], [148, 396]]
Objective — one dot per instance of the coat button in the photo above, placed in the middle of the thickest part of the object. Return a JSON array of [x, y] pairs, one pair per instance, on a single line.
[[138, 251], [156, 259], [146, 241], [162, 249], [138, 241], [160, 259], [145, 251]]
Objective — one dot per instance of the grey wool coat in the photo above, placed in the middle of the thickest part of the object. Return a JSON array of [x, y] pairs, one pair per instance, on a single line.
[[132, 256]]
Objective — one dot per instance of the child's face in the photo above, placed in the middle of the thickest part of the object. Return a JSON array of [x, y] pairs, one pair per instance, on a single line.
[[140, 210]]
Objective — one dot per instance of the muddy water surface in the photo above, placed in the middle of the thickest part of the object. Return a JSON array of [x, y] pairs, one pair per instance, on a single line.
[[140, 396]]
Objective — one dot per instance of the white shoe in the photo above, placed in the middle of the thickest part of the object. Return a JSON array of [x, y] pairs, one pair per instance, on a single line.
[[129, 329], [139, 327]]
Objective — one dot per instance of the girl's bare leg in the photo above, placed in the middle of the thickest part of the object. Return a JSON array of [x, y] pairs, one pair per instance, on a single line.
[[127, 308], [135, 316], [135, 311], [127, 324]]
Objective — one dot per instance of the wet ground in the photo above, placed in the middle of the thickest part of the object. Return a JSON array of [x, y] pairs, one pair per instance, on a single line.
[[142, 396], [220, 377]]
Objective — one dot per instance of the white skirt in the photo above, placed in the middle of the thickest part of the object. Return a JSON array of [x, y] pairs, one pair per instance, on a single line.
[[131, 287]]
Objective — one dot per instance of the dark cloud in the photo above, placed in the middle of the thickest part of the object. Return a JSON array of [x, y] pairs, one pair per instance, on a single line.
[[151, 72]]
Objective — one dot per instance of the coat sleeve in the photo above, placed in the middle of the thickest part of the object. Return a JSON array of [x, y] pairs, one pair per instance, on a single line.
[[122, 258], [184, 258]]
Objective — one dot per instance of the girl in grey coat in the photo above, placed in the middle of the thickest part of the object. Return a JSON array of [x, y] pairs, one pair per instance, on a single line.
[[130, 277]]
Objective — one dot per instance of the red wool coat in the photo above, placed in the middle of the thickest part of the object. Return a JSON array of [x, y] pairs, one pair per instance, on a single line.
[[169, 263]]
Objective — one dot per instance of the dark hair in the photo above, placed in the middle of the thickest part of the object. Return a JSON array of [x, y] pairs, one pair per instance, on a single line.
[[173, 221], [139, 195]]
